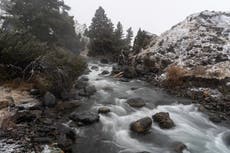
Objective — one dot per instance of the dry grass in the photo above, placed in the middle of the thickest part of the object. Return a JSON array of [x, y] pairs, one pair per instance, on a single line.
[[175, 76], [199, 71], [19, 84]]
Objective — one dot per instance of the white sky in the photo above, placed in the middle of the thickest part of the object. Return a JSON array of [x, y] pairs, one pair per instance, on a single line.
[[155, 16]]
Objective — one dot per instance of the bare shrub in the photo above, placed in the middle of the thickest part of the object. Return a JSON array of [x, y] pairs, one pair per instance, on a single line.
[[174, 76]]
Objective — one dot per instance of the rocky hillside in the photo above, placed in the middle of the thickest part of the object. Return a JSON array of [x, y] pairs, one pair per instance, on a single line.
[[191, 59], [199, 43]]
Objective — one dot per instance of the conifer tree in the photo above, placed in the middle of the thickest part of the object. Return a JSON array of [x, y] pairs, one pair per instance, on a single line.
[[101, 34], [141, 40], [128, 39], [47, 20]]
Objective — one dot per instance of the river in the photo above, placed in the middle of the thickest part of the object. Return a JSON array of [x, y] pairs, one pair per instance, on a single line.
[[112, 133]]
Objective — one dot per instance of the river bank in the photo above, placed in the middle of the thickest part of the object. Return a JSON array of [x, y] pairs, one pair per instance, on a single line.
[[74, 124]]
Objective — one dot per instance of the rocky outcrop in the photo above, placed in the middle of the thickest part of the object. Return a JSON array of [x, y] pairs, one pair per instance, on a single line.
[[201, 39], [198, 49], [164, 120], [142, 125]]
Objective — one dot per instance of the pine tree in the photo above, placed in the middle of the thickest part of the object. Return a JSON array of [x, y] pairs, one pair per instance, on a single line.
[[119, 42], [48, 20], [128, 39], [141, 41], [101, 34]]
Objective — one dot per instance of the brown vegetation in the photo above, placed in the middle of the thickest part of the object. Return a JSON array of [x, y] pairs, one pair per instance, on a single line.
[[175, 76]]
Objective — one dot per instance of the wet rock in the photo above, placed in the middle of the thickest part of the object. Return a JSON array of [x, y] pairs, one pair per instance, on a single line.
[[52, 149], [141, 126], [24, 116], [226, 138], [164, 120], [103, 110], [66, 131], [49, 100], [35, 92], [81, 83], [104, 61], [42, 140], [105, 72], [134, 88], [179, 147], [129, 72], [116, 69], [215, 118], [136, 102], [88, 91], [96, 68], [68, 105], [124, 80], [85, 118], [201, 108]]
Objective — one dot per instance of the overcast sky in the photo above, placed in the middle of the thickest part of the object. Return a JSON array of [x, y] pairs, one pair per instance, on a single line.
[[155, 16]]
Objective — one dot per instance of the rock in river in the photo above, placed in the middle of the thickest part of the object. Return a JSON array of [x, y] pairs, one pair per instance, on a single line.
[[141, 126], [164, 120], [49, 100], [85, 118], [136, 102], [103, 110]]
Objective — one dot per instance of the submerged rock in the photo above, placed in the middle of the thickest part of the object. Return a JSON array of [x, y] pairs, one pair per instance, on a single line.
[[49, 100], [136, 102], [104, 61], [88, 91], [96, 68], [164, 120], [142, 125], [179, 147], [85, 118], [105, 72], [103, 110]]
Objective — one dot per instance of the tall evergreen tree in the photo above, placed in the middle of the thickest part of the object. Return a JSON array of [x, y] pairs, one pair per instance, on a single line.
[[141, 40], [48, 20], [128, 39], [101, 34], [119, 42]]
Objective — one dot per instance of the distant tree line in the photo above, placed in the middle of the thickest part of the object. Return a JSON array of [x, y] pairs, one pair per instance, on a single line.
[[104, 38], [109, 41]]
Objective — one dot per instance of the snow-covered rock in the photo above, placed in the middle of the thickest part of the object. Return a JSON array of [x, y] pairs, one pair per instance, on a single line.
[[201, 41]]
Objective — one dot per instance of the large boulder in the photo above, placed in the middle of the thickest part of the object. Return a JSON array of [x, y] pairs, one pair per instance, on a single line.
[[136, 102], [142, 125], [49, 100], [85, 118], [164, 120]]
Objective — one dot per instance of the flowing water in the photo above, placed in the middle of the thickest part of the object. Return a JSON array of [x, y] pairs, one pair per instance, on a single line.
[[112, 133]]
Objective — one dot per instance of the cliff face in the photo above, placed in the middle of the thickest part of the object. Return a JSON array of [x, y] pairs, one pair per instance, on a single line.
[[200, 42]]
